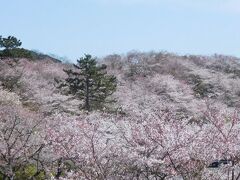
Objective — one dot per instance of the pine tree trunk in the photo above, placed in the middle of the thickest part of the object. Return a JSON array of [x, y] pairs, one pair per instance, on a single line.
[[87, 106]]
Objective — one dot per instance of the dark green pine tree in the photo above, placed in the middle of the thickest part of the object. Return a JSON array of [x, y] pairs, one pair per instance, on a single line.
[[10, 42], [90, 83]]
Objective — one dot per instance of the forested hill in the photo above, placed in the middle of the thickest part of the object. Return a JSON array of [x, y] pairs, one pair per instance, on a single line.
[[184, 83], [172, 117], [145, 81]]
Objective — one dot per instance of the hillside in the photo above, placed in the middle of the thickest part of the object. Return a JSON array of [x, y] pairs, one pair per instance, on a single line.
[[147, 80], [160, 96], [184, 83]]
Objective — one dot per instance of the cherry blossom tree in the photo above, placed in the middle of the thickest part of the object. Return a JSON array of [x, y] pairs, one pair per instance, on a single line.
[[84, 143], [21, 142]]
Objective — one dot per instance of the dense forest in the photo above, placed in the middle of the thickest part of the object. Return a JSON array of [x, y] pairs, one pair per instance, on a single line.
[[153, 115]]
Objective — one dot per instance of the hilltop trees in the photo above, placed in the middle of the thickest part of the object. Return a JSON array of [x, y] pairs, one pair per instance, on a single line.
[[90, 83], [11, 48], [10, 42]]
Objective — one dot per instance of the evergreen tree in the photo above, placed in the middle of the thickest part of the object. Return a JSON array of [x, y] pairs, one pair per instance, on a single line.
[[10, 42], [90, 83], [10, 45]]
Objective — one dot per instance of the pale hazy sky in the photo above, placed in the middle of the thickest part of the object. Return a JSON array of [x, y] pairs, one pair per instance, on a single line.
[[100, 27]]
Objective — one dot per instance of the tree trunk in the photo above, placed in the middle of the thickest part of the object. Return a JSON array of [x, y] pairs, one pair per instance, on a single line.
[[233, 170], [59, 169], [87, 105]]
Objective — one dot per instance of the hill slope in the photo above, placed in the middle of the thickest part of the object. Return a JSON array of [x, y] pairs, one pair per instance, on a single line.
[[175, 115], [145, 81]]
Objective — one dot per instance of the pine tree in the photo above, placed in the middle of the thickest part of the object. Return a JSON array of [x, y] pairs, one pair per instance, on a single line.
[[10, 45], [90, 83], [10, 42]]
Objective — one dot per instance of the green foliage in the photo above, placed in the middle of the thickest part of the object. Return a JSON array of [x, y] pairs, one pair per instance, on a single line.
[[17, 53], [203, 90], [90, 83], [193, 79], [200, 88], [11, 48], [10, 42], [28, 172]]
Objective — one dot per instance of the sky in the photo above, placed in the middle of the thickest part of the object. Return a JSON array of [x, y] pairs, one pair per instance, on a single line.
[[72, 28]]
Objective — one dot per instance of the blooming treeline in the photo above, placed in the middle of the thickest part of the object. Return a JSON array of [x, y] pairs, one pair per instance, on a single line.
[[159, 146], [161, 128], [153, 145]]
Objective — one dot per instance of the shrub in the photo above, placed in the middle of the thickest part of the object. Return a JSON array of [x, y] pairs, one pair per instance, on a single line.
[[30, 172], [193, 79], [10, 82], [17, 53], [203, 89]]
